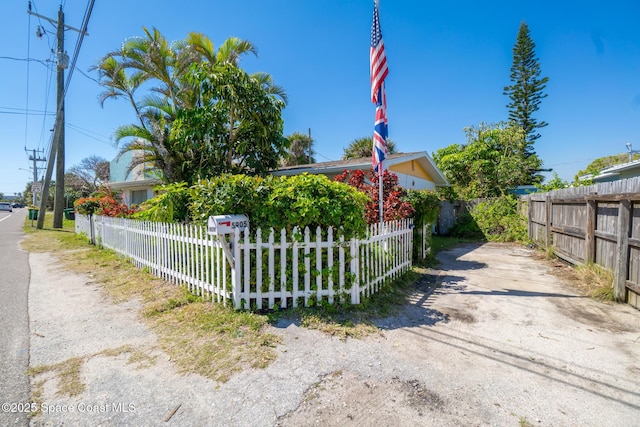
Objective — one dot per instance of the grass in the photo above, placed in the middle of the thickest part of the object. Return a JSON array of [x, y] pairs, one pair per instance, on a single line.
[[67, 373], [590, 279], [353, 321], [200, 337], [596, 281], [206, 338]]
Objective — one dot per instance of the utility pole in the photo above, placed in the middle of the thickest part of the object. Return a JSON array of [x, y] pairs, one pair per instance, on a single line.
[[62, 61], [35, 159], [57, 147], [309, 157]]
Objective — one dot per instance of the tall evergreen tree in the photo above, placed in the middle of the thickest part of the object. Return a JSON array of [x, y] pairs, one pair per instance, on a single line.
[[526, 90]]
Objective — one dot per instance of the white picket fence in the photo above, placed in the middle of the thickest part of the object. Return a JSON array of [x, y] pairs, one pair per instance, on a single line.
[[264, 270]]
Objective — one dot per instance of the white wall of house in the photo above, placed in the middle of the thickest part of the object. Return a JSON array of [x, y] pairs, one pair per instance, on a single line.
[[414, 183], [135, 196]]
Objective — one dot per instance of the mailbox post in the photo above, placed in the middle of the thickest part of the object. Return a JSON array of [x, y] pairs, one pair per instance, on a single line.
[[221, 225]]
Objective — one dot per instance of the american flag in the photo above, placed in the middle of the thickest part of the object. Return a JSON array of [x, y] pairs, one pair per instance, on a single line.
[[378, 71]]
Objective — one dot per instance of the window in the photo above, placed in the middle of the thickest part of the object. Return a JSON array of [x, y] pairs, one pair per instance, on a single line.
[[138, 196]]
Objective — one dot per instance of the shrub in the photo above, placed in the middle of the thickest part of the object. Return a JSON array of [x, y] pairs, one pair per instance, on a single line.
[[87, 205], [426, 205], [394, 207], [281, 202], [171, 205], [229, 194], [499, 220], [103, 203], [314, 200]]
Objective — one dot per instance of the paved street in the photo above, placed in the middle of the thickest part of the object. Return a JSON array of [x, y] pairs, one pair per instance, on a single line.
[[14, 320]]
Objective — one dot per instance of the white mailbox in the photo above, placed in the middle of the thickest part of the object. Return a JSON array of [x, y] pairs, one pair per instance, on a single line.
[[226, 224]]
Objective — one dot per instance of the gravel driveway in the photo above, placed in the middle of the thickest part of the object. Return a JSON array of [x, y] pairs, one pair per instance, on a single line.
[[501, 340]]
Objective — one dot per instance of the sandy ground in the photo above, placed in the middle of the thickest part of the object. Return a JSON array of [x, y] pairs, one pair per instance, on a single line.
[[501, 341]]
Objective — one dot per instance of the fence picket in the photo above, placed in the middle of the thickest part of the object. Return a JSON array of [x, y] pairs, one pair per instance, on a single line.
[[271, 270], [283, 268], [294, 266], [184, 254], [307, 266]]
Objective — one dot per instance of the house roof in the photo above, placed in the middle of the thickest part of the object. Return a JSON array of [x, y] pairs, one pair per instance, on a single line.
[[399, 162], [614, 171], [141, 183]]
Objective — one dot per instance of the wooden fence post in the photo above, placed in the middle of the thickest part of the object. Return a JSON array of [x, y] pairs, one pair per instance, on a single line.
[[590, 229], [529, 202], [548, 208], [621, 269]]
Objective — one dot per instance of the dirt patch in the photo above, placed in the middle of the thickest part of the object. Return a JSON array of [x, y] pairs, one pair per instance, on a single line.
[[347, 398], [502, 340], [462, 315]]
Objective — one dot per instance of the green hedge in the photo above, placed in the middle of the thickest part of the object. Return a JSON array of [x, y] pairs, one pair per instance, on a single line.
[[270, 202]]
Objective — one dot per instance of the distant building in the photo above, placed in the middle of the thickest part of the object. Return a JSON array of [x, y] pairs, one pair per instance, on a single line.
[[615, 172], [523, 190], [136, 185], [414, 170]]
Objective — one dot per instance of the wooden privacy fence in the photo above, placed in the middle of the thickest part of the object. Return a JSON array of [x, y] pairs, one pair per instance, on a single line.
[[264, 270], [594, 224]]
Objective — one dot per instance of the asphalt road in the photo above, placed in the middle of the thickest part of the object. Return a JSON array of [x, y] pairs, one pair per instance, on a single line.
[[14, 321]]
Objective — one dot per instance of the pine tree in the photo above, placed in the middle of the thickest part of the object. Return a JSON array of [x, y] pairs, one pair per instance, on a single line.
[[527, 87]]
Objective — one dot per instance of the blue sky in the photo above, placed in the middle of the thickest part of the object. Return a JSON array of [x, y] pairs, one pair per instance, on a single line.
[[448, 62]]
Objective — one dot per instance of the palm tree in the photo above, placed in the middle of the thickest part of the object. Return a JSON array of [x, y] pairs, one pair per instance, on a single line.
[[166, 66], [363, 147], [300, 151]]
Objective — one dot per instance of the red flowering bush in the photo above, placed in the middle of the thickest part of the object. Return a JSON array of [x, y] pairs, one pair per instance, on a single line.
[[103, 203], [394, 207]]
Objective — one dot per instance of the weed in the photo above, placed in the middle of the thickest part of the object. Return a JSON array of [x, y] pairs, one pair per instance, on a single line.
[[523, 422], [201, 337], [597, 280], [68, 373]]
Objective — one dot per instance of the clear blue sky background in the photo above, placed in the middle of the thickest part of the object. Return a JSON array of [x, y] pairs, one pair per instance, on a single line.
[[448, 61]]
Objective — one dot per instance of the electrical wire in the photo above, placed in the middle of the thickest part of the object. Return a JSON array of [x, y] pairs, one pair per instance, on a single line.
[[46, 33], [46, 105], [86, 132], [26, 60], [83, 31]]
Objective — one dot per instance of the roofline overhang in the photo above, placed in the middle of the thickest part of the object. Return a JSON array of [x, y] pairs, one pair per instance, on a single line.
[[364, 163]]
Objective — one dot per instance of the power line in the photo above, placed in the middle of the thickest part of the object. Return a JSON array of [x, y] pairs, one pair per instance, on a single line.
[[86, 132], [28, 59], [83, 32], [45, 33]]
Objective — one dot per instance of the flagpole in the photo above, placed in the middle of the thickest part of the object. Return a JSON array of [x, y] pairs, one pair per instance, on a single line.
[[380, 192], [378, 73]]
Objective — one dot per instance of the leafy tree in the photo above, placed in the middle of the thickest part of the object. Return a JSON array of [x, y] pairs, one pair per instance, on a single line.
[[300, 151], [492, 162], [236, 129], [88, 175], [526, 89], [600, 163], [556, 183], [362, 147], [163, 70]]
